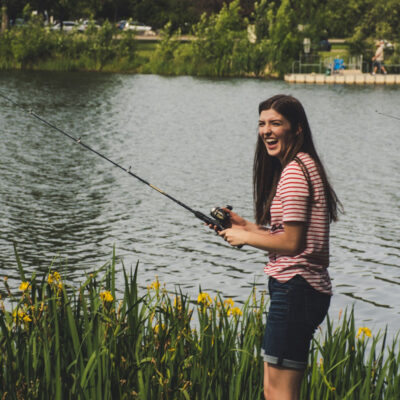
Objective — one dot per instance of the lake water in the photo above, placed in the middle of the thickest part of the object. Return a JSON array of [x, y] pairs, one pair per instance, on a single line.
[[193, 138]]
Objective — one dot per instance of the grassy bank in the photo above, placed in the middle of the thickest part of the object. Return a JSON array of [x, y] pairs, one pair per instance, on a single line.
[[94, 342]]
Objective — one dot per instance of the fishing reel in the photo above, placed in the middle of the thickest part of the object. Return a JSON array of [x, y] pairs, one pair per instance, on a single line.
[[223, 219], [221, 216]]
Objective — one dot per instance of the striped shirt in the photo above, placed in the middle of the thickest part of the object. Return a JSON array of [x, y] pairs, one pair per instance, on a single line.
[[292, 203]]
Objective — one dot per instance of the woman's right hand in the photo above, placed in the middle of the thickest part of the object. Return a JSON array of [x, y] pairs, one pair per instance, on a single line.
[[236, 220]]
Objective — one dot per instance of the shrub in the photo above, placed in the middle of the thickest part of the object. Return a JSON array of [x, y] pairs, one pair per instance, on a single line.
[[30, 44]]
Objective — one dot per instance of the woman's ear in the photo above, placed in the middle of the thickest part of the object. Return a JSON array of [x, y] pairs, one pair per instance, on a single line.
[[299, 130]]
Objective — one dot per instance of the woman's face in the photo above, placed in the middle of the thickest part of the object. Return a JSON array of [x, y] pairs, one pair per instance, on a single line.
[[276, 132]]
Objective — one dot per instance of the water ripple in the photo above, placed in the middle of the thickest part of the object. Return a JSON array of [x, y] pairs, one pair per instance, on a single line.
[[193, 138]]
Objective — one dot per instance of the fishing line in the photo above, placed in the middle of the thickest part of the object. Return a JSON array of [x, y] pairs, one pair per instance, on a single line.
[[220, 225], [387, 115]]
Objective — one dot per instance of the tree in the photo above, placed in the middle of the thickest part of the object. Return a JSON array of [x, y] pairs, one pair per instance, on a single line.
[[217, 38], [4, 18], [261, 18], [285, 42]]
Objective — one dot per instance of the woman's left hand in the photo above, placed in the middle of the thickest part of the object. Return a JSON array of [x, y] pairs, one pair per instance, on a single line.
[[234, 236]]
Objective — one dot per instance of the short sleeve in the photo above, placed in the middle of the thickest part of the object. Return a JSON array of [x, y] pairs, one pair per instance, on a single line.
[[294, 193]]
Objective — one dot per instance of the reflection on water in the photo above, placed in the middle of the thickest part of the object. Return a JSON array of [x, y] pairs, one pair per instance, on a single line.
[[193, 138]]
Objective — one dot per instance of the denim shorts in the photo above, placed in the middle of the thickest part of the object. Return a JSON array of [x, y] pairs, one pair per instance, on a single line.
[[296, 309]]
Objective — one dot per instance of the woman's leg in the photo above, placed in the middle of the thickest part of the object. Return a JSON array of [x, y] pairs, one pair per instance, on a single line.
[[282, 383], [266, 380], [296, 309]]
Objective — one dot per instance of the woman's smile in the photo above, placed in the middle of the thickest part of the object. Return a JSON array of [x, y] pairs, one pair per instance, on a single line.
[[276, 131], [271, 142]]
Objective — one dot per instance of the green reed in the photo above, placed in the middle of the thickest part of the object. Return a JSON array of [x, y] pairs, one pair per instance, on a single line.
[[95, 342]]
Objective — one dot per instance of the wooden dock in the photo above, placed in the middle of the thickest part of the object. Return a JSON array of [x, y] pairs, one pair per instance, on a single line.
[[356, 78]]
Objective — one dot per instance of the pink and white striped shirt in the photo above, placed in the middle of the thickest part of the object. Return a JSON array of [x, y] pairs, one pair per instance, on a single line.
[[291, 203]]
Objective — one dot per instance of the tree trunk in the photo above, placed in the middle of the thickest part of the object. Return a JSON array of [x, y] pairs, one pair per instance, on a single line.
[[4, 19]]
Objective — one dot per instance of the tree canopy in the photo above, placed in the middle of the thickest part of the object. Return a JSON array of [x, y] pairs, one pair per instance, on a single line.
[[323, 18]]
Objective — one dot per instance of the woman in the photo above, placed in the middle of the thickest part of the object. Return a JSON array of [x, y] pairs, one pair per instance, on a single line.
[[292, 196]]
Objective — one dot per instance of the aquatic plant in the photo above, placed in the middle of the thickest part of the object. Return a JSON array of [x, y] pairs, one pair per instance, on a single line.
[[94, 341]]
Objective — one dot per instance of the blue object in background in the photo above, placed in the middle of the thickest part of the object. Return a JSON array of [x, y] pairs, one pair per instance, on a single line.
[[338, 64]]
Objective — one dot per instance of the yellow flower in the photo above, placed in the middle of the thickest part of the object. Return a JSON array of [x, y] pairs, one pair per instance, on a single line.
[[204, 298], [364, 331], [17, 314], [154, 285], [23, 286], [157, 328], [178, 303], [53, 277], [229, 302], [21, 315], [106, 296], [235, 311], [26, 318]]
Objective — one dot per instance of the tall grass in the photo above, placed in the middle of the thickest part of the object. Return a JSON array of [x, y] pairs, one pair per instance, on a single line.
[[96, 342]]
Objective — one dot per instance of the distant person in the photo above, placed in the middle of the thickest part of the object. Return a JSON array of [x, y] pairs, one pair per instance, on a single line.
[[378, 58], [294, 204]]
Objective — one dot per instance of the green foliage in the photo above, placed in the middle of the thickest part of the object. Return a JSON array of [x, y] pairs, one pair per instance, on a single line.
[[341, 17], [33, 46], [101, 47], [262, 18], [179, 13], [27, 12], [219, 37], [6, 53], [224, 43], [350, 363], [285, 41], [221, 48], [163, 59], [127, 45], [97, 342], [29, 44], [59, 342]]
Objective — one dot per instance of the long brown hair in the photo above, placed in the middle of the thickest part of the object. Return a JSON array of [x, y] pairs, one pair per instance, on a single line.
[[267, 170]]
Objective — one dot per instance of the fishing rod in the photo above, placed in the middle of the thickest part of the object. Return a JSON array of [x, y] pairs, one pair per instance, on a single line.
[[221, 218], [387, 115]]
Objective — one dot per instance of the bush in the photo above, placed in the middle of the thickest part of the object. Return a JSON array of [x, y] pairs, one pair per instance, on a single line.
[[6, 53], [218, 38], [101, 46], [164, 61], [30, 44]]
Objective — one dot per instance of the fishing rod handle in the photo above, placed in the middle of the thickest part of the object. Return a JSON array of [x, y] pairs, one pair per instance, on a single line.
[[209, 221]]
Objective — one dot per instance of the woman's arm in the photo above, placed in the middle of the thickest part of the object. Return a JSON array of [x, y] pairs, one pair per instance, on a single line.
[[289, 242]]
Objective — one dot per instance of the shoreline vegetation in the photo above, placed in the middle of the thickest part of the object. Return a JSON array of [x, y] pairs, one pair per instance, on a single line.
[[223, 44], [220, 46], [97, 342]]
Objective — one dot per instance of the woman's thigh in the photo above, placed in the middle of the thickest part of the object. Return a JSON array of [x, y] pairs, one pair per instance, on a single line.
[[296, 310]]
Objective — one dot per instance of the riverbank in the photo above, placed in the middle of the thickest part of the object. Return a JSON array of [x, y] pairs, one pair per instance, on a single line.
[[223, 48], [34, 48], [99, 342]]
